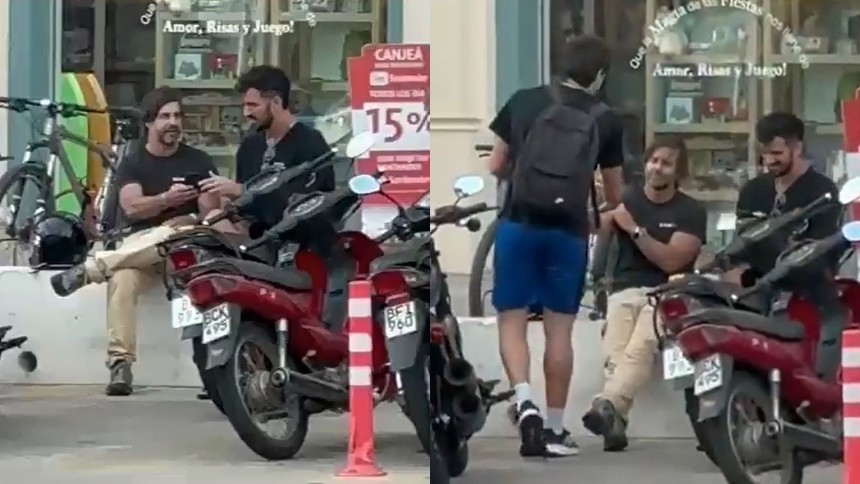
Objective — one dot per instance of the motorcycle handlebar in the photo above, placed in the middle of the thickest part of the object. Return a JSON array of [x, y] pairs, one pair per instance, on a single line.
[[452, 214], [218, 218]]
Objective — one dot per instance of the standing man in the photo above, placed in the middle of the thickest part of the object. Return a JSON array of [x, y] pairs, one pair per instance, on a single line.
[[156, 203], [279, 139], [659, 232], [549, 140]]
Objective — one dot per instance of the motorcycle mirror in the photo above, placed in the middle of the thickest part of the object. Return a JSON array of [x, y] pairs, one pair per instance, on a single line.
[[851, 231], [360, 144], [467, 186], [364, 185], [850, 191]]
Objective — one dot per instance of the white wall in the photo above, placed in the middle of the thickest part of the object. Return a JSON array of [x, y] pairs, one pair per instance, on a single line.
[[416, 21], [462, 62]]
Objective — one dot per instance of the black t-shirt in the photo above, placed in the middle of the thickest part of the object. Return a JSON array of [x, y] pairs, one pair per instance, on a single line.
[[518, 115], [302, 143], [155, 175], [660, 220], [759, 194]]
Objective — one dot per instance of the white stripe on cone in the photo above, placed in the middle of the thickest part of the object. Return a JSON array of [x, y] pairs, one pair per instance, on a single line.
[[359, 308], [360, 343], [359, 376], [851, 358], [851, 393], [852, 427]]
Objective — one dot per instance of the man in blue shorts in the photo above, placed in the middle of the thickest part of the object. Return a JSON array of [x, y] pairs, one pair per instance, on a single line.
[[549, 141]]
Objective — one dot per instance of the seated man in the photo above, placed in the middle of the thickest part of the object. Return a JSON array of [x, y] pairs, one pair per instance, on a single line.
[[157, 204], [659, 232]]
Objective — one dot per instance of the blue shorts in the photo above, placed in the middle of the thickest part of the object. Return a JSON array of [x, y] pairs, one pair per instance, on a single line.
[[537, 267]]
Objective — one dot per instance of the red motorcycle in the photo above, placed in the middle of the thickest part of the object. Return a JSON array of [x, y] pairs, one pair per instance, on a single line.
[[276, 334], [766, 369]]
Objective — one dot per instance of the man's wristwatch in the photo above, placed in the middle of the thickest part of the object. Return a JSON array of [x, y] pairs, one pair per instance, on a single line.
[[637, 233]]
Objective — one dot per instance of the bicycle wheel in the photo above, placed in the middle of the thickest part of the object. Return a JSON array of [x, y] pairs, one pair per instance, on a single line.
[[477, 294], [25, 194]]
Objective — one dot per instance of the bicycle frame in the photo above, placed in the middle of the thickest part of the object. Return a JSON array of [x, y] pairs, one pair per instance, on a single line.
[[52, 137]]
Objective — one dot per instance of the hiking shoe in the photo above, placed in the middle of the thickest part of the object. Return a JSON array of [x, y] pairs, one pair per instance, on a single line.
[[560, 445], [120, 380], [70, 280], [605, 421], [530, 424]]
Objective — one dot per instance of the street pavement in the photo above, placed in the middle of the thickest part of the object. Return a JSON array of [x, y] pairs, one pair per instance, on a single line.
[[75, 435]]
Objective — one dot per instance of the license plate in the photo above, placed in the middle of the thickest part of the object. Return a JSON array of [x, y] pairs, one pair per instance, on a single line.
[[184, 313], [709, 374], [675, 364], [400, 320], [215, 321]]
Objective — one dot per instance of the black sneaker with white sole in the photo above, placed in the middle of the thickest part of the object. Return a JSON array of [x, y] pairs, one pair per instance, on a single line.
[[560, 445], [530, 424]]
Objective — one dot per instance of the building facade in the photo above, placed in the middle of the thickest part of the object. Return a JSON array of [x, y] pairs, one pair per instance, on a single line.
[[703, 71], [132, 46]]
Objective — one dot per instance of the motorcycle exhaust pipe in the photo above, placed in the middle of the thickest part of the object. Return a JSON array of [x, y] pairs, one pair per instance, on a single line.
[[469, 413], [461, 373]]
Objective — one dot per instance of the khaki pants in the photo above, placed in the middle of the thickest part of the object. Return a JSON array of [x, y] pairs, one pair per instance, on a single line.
[[629, 347], [129, 271]]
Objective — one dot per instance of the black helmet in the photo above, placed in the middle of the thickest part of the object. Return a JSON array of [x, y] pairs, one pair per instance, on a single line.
[[59, 240]]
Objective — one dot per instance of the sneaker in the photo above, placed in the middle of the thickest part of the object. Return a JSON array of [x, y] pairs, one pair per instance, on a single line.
[[560, 445], [120, 380], [67, 282], [605, 421], [530, 424]]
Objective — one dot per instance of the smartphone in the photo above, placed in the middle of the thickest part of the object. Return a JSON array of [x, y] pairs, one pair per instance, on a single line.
[[194, 179]]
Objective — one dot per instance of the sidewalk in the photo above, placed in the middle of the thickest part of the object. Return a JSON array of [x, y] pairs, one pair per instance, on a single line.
[[75, 435]]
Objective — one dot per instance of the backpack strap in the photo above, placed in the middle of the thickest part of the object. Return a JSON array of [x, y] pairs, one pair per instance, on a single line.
[[597, 110]]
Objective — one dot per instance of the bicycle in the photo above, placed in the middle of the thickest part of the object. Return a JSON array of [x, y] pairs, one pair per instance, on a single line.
[[477, 294], [40, 175]]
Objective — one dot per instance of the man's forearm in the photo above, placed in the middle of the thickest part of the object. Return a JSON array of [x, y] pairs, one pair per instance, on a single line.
[[144, 207], [660, 254]]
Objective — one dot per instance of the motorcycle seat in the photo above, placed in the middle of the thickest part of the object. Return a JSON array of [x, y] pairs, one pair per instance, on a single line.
[[778, 327], [279, 276]]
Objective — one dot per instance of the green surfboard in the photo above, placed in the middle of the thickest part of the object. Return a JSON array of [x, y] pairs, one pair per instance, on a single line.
[[70, 92]]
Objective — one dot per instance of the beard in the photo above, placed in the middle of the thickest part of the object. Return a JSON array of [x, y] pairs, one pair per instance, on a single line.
[[780, 169], [657, 182], [170, 136], [263, 121]]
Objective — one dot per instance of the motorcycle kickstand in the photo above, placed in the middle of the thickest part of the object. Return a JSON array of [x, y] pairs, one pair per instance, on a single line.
[[486, 388]]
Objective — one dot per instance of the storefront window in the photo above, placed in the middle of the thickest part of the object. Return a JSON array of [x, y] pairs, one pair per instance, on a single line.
[[821, 63], [202, 46]]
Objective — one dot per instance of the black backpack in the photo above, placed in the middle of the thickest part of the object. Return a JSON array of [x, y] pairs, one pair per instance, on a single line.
[[554, 172]]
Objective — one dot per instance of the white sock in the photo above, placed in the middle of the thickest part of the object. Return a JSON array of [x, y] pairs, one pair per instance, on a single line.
[[523, 392], [555, 420]]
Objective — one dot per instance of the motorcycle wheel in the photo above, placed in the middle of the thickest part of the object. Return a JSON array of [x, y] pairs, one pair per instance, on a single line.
[[416, 405], [692, 404], [235, 389], [208, 377], [479, 265], [719, 432], [451, 445]]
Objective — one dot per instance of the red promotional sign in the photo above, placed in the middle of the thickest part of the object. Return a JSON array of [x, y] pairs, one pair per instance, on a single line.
[[851, 124], [389, 87]]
